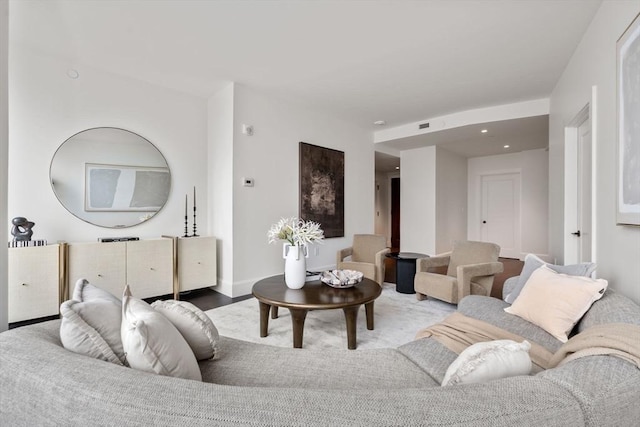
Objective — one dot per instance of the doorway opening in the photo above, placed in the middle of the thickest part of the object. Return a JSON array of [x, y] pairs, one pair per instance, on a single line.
[[395, 214]]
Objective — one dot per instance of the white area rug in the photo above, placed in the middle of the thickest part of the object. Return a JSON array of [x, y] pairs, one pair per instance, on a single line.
[[397, 319]]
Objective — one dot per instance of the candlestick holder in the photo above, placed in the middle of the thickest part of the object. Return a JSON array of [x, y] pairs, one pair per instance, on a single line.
[[186, 226], [194, 223], [186, 216]]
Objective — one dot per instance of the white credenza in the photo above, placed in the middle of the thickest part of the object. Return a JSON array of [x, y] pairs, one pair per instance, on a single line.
[[35, 282], [196, 263], [41, 277], [147, 266]]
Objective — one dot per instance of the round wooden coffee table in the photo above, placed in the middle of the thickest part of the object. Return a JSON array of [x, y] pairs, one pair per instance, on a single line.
[[272, 293]]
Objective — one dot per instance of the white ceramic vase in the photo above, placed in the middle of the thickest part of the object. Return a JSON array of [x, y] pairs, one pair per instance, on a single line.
[[295, 265]]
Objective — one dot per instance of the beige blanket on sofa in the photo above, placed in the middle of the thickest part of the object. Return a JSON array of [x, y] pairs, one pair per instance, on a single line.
[[614, 339], [458, 331]]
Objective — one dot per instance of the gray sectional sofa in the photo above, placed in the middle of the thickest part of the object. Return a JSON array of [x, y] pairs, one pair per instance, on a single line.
[[43, 384]]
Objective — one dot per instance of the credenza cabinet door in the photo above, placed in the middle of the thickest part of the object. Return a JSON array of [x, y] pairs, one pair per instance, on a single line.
[[102, 264], [196, 263], [150, 267], [34, 282]]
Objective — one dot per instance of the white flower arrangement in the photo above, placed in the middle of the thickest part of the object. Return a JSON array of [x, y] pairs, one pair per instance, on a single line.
[[296, 231]]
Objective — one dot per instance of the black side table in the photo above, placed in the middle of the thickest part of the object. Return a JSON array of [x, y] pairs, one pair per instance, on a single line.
[[405, 270]]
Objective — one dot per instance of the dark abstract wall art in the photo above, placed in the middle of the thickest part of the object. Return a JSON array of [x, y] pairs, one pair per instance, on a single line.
[[322, 188]]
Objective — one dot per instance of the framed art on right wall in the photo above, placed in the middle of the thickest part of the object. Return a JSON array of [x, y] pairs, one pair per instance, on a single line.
[[628, 158]]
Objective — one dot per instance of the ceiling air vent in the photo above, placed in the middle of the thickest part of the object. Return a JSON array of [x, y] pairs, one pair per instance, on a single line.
[[423, 126]]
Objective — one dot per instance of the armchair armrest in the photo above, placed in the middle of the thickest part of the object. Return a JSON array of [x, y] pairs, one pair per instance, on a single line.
[[379, 263], [342, 254], [468, 272], [379, 259], [440, 260]]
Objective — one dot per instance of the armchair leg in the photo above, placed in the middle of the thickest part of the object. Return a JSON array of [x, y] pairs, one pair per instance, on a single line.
[[420, 296]]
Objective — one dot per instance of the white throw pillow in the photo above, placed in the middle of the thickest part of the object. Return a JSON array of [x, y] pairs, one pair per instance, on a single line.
[[78, 333], [488, 361], [85, 291], [153, 344], [91, 323], [194, 325], [556, 302]]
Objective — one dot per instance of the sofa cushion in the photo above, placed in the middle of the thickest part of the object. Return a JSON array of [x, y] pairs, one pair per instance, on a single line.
[[491, 360], [611, 308], [152, 343], [555, 301], [430, 355], [194, 325], [491, 310], [91, 323], [532, 263], [245, 364], [439, 286]]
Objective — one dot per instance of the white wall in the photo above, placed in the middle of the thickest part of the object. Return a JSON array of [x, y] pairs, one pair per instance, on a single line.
[[46, 107], [418, 200], [219, 180], [533, 168], [4, 142], [270, 157], [594, 63], [451, 199]]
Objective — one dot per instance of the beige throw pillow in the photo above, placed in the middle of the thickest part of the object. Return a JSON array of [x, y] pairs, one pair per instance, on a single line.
[[556, 302], [194, 325], [153, 344]]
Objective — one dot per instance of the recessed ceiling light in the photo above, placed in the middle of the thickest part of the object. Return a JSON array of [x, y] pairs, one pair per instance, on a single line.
[[506, 146], [72, 73], [484, 131], [397, 167], [379, 123]]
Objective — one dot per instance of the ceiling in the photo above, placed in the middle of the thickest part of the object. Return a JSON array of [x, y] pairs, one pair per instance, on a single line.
[[501, 137], [397, 61]]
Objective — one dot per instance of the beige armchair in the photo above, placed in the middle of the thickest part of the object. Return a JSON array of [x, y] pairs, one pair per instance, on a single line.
[[367, 255], [471, 268]]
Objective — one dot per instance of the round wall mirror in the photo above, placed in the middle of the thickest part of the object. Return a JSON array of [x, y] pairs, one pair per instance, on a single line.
[[110, 177]]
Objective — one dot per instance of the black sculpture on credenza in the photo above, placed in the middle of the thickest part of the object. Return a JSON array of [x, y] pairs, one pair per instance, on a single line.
[[22, 229]]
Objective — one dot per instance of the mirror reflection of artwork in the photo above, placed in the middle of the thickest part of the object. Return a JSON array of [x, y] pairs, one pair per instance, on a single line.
[[322, 188], [125, 188], [628, 211], [130, 184]]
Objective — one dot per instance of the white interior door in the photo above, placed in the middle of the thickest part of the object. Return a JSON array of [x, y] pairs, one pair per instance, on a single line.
[[579, 224], [501, 212]]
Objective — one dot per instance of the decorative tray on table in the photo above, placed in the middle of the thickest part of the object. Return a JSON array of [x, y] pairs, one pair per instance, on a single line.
[[341, 278]]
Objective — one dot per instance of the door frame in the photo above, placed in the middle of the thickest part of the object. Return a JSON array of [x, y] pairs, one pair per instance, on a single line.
[[571, 245]]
